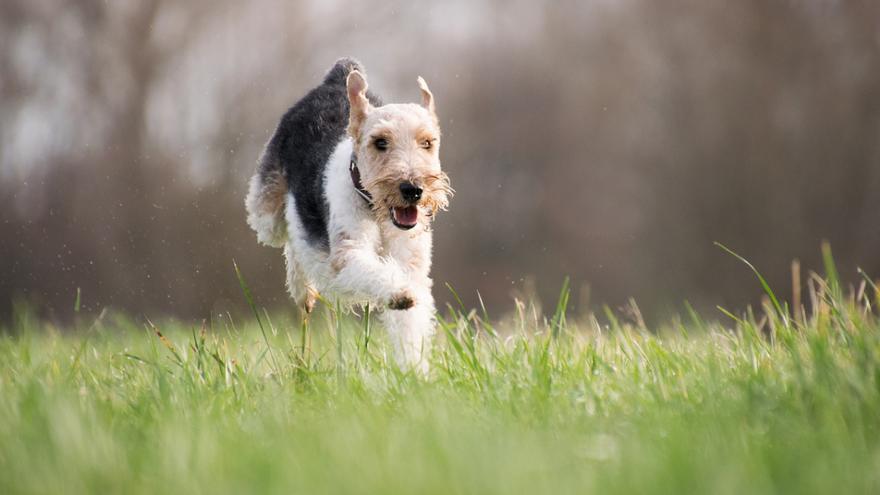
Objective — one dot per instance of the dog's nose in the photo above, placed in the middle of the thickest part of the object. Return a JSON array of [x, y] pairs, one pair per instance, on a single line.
[[410, 192]]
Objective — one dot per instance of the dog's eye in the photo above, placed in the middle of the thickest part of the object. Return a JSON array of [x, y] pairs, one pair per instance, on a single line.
[[381, 144], [427, 143]]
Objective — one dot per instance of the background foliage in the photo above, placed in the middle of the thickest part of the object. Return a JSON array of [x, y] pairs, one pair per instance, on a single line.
[[608, 141]]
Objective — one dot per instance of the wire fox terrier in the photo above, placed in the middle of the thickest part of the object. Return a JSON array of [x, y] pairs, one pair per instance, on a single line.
[[349, 187]]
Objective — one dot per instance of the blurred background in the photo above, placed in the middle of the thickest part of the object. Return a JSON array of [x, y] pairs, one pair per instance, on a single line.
[[611, 141]]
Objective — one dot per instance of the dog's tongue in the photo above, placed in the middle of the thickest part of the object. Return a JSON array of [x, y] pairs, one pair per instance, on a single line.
[[406, 216]]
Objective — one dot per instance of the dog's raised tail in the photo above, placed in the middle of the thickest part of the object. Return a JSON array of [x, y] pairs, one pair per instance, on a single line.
[[338, 74]]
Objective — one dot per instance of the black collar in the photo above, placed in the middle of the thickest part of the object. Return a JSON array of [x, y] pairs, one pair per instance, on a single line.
[[356, 180]]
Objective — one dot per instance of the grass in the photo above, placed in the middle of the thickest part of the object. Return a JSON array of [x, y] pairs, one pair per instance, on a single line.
[[765, 402]]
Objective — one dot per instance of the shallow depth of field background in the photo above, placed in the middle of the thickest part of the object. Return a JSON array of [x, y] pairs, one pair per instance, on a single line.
[[609, 141]]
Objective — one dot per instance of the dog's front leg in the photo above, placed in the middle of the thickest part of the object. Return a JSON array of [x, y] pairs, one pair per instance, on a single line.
[[411, 331], [363, 274]]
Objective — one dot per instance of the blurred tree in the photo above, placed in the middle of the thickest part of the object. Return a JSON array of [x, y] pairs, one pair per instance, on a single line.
[[608, 141]]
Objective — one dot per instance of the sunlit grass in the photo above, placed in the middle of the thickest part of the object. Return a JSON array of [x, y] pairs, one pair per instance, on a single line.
[[768, 401]]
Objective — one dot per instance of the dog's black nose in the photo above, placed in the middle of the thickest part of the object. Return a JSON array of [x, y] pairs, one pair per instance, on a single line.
[[410, 192]]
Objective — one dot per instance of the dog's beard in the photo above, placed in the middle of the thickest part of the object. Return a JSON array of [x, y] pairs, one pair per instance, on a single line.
[[389, 204]]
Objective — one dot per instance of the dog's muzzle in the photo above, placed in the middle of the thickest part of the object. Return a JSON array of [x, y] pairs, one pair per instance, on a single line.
[[407, 217]]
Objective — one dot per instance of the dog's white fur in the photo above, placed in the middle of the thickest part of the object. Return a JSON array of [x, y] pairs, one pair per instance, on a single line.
[[370, 260], [377, 263]]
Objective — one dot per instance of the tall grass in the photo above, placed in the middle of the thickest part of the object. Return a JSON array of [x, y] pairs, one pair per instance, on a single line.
[[778, 400]]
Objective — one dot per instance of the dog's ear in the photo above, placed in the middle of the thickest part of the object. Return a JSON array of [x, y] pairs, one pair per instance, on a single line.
[[427, 97], [357, 100]]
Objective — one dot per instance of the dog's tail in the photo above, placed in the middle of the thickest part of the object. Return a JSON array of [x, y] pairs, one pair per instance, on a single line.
[[338, 74]]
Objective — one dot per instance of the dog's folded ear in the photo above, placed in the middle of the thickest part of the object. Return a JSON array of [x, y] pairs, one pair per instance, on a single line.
[[427, 97], [358, 103]]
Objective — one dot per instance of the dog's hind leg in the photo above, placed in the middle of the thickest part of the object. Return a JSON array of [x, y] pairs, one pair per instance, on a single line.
[[298, 285], [265, 202]]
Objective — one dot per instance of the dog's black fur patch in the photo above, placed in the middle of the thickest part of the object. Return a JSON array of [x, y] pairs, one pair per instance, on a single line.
[[303, 142]]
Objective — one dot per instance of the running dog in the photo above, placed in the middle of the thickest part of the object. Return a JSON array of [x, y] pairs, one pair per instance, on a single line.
[[348, 187]]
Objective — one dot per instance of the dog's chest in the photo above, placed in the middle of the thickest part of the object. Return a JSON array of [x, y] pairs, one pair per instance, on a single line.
[[407, 248]]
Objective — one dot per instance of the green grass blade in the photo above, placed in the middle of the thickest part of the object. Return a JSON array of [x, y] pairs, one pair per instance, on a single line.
[[776, 305], [250, 300]]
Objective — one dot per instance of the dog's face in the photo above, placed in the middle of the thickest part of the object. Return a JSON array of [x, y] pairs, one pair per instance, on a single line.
[[397, 147]]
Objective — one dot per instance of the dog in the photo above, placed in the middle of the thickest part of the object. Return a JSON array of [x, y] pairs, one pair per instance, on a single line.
[[349, 187]]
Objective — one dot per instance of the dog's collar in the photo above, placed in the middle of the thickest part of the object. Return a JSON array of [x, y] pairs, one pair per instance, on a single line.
[[356, 180]]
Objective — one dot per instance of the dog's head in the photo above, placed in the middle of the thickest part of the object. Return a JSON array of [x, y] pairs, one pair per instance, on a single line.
[[397, 148]]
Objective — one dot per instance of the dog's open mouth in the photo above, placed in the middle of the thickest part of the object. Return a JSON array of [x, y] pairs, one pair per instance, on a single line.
[[405, 218]]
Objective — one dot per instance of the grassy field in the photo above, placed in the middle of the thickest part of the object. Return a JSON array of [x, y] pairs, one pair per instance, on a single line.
[[763, 402]]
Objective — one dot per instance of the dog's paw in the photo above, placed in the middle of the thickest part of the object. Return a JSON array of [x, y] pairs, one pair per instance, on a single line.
[[401, 300]]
